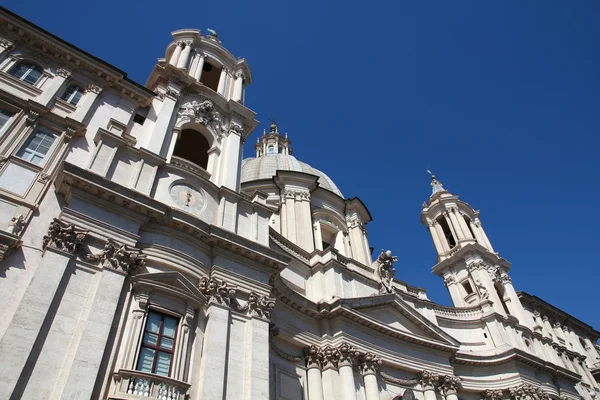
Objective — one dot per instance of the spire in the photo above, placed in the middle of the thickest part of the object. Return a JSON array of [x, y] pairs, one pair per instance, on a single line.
[[436, 186]]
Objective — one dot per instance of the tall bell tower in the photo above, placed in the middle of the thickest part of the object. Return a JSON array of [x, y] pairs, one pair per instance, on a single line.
[[472, 271]]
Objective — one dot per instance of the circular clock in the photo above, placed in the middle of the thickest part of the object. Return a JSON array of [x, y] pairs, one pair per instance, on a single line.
[[187, 198]]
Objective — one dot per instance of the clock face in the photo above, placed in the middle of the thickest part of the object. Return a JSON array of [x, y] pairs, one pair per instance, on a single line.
[[187, 198]]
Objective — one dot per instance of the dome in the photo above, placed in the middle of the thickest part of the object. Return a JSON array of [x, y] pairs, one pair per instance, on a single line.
[[265, 168]]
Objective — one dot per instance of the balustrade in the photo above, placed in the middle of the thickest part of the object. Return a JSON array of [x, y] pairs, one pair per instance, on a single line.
[[135, 384]]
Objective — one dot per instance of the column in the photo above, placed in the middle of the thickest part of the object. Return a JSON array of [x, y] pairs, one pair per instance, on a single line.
[[513, 304], [313, 367], [258, 353], [434, 236], [138, 316], [442, 237], [317, 236], [199, 67], [455, 294], [86, 103], [368, 369], [182, 344], [347, 356], [486, 241], [222, 79], [237, 88], [184, 57], [57, 82], [21, 336], [231, 161], [328, 373], [163, 121], [176, 53], [428, 381], [214, 352], [456, 224], [92, 345], [449, 387]]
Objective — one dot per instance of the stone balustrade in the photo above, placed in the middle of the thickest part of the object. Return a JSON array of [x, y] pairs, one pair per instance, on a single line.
[[136, 384]]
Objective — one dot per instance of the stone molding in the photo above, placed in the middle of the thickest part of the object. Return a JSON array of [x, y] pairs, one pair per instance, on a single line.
[[274, 331], [119, 257], [297, 195], [64, 237]]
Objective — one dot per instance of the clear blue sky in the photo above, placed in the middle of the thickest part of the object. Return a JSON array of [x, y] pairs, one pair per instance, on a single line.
[[499, 98]]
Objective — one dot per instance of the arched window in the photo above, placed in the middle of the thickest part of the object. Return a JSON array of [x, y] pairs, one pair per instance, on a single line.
[[27, 72], [447, 231], [210, 76], [468, 222], [271, 149], [72, 94], [192, 146]]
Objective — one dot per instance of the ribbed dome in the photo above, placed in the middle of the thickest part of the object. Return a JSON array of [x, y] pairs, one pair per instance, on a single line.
[[265, 167]]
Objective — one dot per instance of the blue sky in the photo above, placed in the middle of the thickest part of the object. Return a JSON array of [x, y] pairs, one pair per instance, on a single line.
[[499, 98]]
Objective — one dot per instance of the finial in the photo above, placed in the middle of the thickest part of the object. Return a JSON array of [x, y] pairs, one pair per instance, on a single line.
[[212, 32], [273, 127], [436, 186]]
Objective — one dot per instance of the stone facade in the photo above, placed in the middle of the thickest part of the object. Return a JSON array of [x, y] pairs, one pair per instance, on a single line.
[[140, 256]]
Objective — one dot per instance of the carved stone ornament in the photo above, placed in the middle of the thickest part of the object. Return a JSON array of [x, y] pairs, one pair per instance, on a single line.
[[313, 357], [16, 225], [492, 394], [236, 128], [6, 43], [385, 270], [119, 257], [94, 89], [297, 195], [449, 384], [528, 392], [369, 363], [483, 292], [203, 112], [217, 290], [399, 381], [428, 380], [260, 306], [330, 357], [31, 117], [63, 73], [64, 237], [348, 355], [43, 178]]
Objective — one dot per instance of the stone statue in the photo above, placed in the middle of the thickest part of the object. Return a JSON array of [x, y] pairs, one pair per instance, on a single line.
[[16, 224], [385, 269], [482, 290]]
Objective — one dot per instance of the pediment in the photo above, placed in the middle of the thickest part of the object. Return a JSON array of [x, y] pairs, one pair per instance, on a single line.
[[397, 315], [172, 283]]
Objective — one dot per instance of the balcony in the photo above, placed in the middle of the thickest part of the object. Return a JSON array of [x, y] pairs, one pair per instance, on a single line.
[[136, 385]]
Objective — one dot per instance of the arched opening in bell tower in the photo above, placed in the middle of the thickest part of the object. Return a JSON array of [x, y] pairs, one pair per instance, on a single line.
[[192, 146], [468, 222], [500, 292], [211, 75], [447, 232]]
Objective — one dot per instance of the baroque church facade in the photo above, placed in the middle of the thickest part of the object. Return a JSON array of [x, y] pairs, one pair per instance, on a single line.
[[143, 257]]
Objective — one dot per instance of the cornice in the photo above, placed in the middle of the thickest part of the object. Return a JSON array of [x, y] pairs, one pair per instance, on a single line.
[[63, 52], [460, 254]]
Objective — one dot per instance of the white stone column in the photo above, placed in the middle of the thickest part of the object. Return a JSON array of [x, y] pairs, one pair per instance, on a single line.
[[222, 82], [449, 387], [347, 357], [184, 57], [176, 53], [238, 87], [454, 291], [199, 67], [162, 124], [182, 344], [92, 345], [317, 236], [313, 373], [138, 316], [513, 303], [428, 381], [486, 241], [329, 375], [258, 357], [57, 82], [214, 352], [434, 236], [21, 336], [460, 235], [86, 103], [368, 369], [231, 161], [442, 237]]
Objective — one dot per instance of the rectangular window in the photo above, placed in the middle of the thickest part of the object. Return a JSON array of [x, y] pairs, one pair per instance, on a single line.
[[468, 287], [158, 343], [5, 116], [36, 148]]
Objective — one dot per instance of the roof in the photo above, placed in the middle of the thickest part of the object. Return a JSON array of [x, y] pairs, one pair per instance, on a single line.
[[266, 167]]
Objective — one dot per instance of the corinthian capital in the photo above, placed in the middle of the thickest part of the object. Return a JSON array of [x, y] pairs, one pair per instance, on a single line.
[[369, 363], [428, 380], [313, 356], [64, 73], [217, 290], [119, 257], [449, 384], [347, 354], [492, 394]]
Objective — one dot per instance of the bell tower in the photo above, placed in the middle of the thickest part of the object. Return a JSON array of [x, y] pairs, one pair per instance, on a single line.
[[472, 271]]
